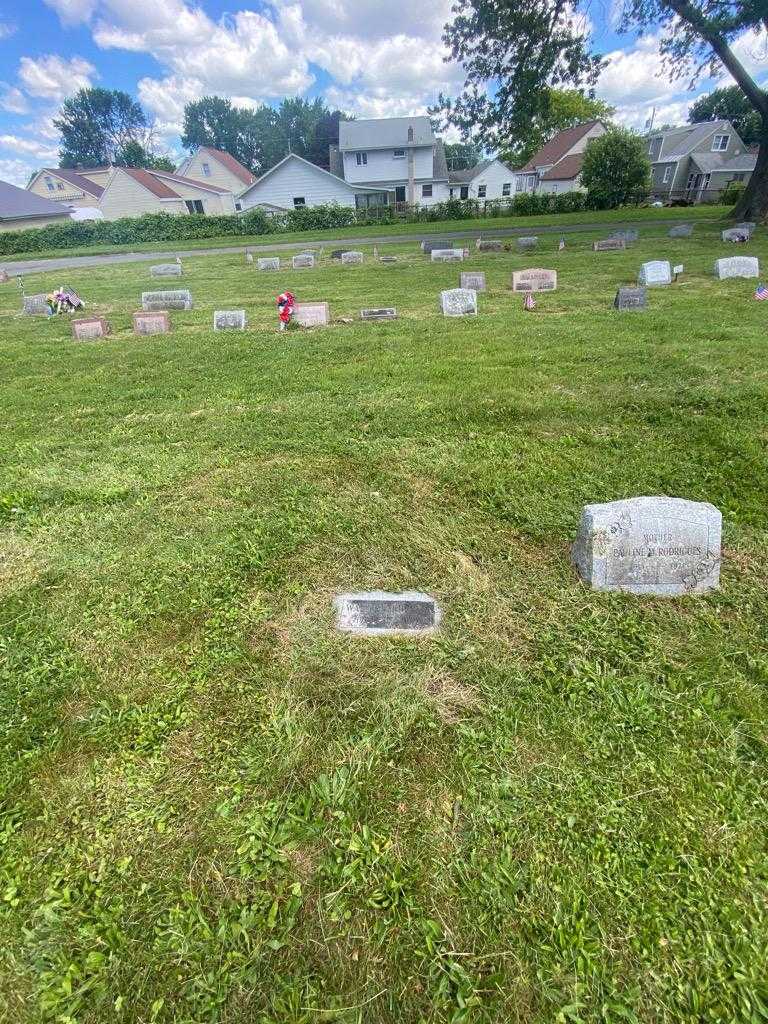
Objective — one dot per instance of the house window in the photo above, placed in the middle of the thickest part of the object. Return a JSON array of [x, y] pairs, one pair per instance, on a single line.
[[481, 191], [238, 207], [410, 134], [361, 159], [464, 192], [299, 201], [206, 170], [399, 193], [667, 174], [194, 205], [59, 186], [398, 154], [426, 191], [506, 188], [519, 183], [50, 185], [720, 143]]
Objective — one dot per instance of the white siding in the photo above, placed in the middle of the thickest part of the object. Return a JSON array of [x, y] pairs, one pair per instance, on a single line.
[[296, 178], [220, 176], [383, 167], [100, 176], [63, 191], [581, 145], [553, 187], [124, 197], [213, 204], [494, 177], [31, 222]]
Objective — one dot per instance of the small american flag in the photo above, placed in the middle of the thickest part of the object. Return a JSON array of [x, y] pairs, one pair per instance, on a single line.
[[561, 245], [761, 292], [529, 302]]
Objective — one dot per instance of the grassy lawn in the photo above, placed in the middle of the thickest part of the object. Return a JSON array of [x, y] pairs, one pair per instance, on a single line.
[[213, 807], [662, 215]]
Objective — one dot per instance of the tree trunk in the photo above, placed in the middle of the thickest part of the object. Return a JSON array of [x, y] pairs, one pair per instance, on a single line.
[[753, 204]]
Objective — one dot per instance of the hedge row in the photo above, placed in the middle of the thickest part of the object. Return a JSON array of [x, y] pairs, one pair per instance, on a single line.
[[166, 227]]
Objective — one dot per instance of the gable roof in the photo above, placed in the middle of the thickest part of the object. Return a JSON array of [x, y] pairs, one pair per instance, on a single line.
[[565, 169], [74, 178], [385, 133], [229, 162], [679, 142], [320, 170], [160, 183], [470, 173], [18, 204], [556, 148], [721, 162]]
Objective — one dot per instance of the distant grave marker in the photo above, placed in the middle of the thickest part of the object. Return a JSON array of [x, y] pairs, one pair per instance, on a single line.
[[459, 302], [311, 314], [655, 272], [526, 244], [151, 323], [474, 279], [386, 313], [151, 301], [388, 259], [35, 305], [737, 266], [652, 545], [429, 245], [609, 244], [268, 263], [630, 299], [747, 225], [229, 320], [681, 231], [626, 234], [249, 257], [489, 245], [351, 258], [534, 280], [89, 327], [166, 270], [4, 276], [736, 235], [446, 255], [380, 613], [304, 261]]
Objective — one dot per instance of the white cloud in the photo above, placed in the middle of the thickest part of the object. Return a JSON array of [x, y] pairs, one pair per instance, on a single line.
[[752, 50], [72, 12], [13, 100], [39, 150], [17, 172], [53, 77], [6, 29]]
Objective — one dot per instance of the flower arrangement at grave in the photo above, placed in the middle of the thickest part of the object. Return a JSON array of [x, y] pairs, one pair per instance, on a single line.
[[285, 304], [64, 300]]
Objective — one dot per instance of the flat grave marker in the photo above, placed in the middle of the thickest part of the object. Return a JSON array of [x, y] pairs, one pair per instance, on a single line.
[[311, 314], [151, 301], [536, 279], [166, 270], [229, 320], [268, 263], [630, 299], [387, 259], [737, 266], [626, 234], [609, 245], [35, 305], [459, 302], [525, 244], [681, 231], [474, 279], [655, 272], [489, 245], [304, 261], [157, 322], [736, 235], [378, 613], [89, 327], [385, 313], [351, 258], [659, 546], [446, 255]]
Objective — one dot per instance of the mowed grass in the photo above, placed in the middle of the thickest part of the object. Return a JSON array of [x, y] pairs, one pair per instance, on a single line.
[[216, 808]]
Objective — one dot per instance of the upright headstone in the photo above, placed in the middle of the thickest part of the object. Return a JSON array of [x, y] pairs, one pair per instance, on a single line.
[[151, 301], [459, 302], [304, 261], [434, 243], [166, 270], [655, 272], [534, 280], [36, 305], [626, 234], [249, 257], [447, 255], [746, 225], [89, 327], [681, 231], [382, 613], [474, 279], [4, 276], [336, 254], [737, 266], [630, 298], [311, 314], [609, 244], [736, 235], [229, 320], [268, 263], [385, 313], [655, 545], [490, 245], [351, 258], [151, 323], [527, 243]]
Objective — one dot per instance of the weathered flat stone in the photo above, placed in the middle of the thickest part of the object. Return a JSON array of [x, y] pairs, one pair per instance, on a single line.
[[736, 235], [35, 305], [268, 263], [304, 261], [387, 259], [89, 327], [151, 323], [609, 244], [459, 302], [655, 272], [385, 313], [536, 279], [229, 320], [166, 270], [181, 299], [631, 298], [489, 245], [527, 243], [474, 279], [626, 234], [311, 314], [351, 258], [681, 231], [737, 266], [378, 613], [652, 545], [446, 255]]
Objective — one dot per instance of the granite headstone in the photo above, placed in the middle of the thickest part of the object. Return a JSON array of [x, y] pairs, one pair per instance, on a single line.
[[380, 613], [535, 279], [311, 314], [527, 243], [268, 263], [151, 301], [681, 231], [36, 305], [630, 298], [351, 258], [473, 279], [737, 266], [151, 323], [385, 313], [489, 245], [736, 235], [459, 302], [304, 261], [655, 272], [229, 320], [446, 255], [609, 244], [89, 327]]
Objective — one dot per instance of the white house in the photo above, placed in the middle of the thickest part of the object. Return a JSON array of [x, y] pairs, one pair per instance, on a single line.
[[215, 167], [295, 182], [397, 155], [491, 179], [131, 192], [557, 165]]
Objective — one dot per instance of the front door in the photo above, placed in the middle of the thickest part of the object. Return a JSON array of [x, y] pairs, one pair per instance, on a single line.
[[399, 193], [464, 192]]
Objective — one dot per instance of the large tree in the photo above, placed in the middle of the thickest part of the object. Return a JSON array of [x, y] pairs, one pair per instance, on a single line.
[[134, 154], [324, 135], [460, 156], [95, 124], [563, 108], [729, 104], [521, 47], [616, 167]]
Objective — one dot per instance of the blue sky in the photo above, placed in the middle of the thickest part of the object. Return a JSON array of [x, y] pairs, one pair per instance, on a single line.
[[370, 58]]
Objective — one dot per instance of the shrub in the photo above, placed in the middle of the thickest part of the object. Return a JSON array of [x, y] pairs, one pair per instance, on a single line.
[[732, 193], [615, 168]]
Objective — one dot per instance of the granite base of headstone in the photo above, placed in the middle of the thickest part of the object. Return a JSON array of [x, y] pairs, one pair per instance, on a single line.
[[311, 314], [737, 266], [268, 263], [351, 258], [378, 613], [630, 299], [655, 273], [681, 231], [459, 302], [536, 279], [151, 301], [35, 305], [166, 270], [474, 279], [229, 320], [336, 254], [661, 546], [304, 261], [151, 323], [609, 245], [385, 313], [88, 327]]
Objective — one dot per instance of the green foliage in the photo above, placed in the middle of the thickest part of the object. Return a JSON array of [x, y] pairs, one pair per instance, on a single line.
[[728, 104], [134, 154], [96, 124], [616, 166], [733, 193], [561, 109], [461, 156]]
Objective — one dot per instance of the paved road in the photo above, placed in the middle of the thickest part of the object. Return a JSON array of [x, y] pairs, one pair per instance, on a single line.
[[16, 269]]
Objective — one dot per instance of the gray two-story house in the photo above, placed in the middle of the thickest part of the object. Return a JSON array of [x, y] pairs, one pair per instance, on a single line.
[[697, 161]]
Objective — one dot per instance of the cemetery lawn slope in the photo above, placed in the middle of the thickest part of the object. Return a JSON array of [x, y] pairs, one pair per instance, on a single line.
[[216, 808]]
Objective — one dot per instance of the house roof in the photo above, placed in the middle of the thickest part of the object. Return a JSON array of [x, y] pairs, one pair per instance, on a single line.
[[722, 162], [231, 164], [18, 204], [74, 178], [679, 142], [566, 169], [320, 170], [470, 173], [556, 148], [385, 133], [160, 183]]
